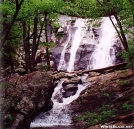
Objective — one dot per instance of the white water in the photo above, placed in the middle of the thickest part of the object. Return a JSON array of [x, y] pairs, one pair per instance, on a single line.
[[60, 114], [79, 34], [104, 54]]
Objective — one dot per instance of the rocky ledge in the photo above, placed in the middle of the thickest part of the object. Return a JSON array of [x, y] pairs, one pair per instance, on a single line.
[[22, 97]]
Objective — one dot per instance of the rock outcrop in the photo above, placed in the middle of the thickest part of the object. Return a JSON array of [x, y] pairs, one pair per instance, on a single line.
[[25, 96], [108, 100]]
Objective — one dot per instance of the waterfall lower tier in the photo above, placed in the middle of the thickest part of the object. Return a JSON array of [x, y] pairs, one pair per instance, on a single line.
[[60, 114]]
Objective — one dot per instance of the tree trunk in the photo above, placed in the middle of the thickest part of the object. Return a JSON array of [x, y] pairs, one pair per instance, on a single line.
[[116, 29], [46, 35], [26, 47], [125, 43], [34, 43], [11, 59], [42, 25]]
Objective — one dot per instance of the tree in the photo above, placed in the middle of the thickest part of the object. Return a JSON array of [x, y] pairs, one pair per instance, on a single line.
[[6, 29], [29, 15]]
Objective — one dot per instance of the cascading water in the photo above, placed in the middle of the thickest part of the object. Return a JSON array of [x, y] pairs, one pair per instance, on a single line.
[[104, 54], [60, 114], [79, 34]]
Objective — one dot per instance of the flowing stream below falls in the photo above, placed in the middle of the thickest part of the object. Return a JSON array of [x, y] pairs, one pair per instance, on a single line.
[[59, 117]]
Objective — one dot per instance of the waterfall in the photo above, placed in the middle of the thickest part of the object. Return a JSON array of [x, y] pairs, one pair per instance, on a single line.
[[102, 36], [104, 54], [60, 114], [79, 34]]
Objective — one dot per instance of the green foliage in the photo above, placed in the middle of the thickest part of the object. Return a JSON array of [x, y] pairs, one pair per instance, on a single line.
[[127, 107], [124, 82], [44, 67], [104, 107], [124, 71], [5, 84], [132, 99], [9, 120], [92, 118], [107, 95], [47, 44], [8, 9], [60, 34]]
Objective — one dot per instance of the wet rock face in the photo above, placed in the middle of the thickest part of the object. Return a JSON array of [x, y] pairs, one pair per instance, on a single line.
[[83, 56], [70, 90], [24, 97]]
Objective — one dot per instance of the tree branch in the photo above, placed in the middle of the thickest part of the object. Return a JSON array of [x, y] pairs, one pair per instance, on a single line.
[[116, 29]]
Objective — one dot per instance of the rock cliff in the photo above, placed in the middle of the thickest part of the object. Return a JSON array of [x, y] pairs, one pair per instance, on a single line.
[[22, 97]]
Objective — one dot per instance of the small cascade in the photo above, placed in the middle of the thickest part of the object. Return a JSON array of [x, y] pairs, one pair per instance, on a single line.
[[78, 36], [104, 54], [60, 114]]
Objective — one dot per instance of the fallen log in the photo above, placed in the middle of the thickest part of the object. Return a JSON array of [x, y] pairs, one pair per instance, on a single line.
[[103, 70]]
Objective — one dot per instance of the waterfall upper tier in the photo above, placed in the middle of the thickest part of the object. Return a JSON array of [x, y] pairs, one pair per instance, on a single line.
[[86, 45]]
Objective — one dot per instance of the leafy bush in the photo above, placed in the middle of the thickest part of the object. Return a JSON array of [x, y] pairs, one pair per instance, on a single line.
[[127, 107]]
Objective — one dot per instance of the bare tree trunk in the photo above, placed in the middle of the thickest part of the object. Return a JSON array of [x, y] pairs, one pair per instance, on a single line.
[[125, 43], [116, 29]]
